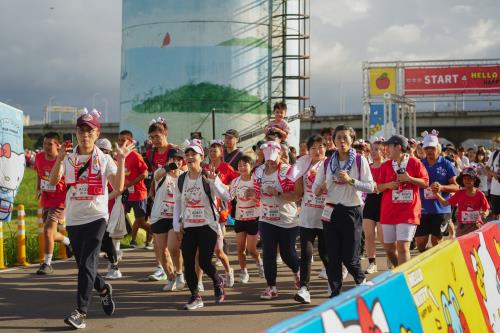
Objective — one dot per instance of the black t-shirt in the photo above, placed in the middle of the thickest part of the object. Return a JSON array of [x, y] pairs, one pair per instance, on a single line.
[[233, 157]]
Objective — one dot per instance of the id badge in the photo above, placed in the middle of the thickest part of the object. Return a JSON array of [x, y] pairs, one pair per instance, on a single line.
[[428, 194], [271, 212], [195, 214], [403, 196], [326, 216], [246, 213], [46, 187], [470, 216], [82, 190]]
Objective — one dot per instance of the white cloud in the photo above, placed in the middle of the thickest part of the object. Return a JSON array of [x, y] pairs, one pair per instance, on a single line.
[[340, 12], [394, 37]]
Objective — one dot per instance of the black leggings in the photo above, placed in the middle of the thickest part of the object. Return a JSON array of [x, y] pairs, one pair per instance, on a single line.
[[203, 240], [86, 242], [307, 237], [342, 241]]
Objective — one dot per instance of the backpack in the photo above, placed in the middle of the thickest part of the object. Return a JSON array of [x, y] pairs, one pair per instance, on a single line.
[[495, 154], [206, 189], [358, 164]]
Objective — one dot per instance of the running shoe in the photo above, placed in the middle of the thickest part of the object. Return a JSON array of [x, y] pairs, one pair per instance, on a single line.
[[303, 296], [194, 303], [279, 261], [201, 287], [158, 275], [230, 278], [114, 273], [365, 283], [261, 271], [269, 293], [44, 269], [372, 268], [108, 305], [322, 274], [344, 272], [219, 291], [244, 276], [133, 244], [170, 286], [69, 250], [76, 319], [180, 282], [218, 263], [149, 246]]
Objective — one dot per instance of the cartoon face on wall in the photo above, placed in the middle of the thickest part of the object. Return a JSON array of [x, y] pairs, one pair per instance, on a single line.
[[12, 160], [453, 314]]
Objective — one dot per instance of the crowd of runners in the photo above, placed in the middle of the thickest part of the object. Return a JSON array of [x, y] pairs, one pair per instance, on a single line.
[[339, 192]]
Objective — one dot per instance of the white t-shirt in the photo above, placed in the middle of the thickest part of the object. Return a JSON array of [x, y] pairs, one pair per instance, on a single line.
[[274, 209], [312, 206], [246, 209], [482, 175], [495, 167], [83, 209], [163, 205]]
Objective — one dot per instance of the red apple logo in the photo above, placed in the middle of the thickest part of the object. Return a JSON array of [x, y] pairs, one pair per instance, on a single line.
[[383, 81]]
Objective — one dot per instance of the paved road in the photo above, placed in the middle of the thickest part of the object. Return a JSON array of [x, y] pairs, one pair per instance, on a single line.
[[31, 303]]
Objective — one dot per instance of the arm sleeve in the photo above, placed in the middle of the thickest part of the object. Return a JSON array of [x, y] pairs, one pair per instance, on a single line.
[[366, 183], [451, 170], [320, 177], [177, 210]]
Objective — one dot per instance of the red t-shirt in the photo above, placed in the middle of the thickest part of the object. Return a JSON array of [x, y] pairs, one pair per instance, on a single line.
[[159, 160], [401, 205], [375, 173], [52, 196], [469, 207], [226, 172], [135, 166]]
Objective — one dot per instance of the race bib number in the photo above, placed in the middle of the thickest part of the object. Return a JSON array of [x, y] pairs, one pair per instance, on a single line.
[[130, 189], [82, 190], [246, 213], [167, 209], [195, 214], [270, 213], [428, 194], [470, 216], [46, 187], [403, 196], [326, 216], [313, 201]]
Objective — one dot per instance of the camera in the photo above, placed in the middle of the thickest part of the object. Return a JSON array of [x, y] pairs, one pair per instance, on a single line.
[[171, 167]]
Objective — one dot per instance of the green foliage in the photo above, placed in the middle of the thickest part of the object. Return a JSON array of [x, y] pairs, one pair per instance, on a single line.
[[26, 193], [28, 142], [202, 97]]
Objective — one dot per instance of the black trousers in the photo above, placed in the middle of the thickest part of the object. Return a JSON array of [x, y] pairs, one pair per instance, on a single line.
[[203, 240], [271, 236], [342, 241], [108, 247], [86, 243], [307, 238]]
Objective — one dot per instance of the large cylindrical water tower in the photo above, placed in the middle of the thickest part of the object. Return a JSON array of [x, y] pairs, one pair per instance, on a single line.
[[196, 63]]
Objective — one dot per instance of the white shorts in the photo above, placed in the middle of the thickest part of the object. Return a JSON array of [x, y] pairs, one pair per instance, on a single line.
[[398, 232]]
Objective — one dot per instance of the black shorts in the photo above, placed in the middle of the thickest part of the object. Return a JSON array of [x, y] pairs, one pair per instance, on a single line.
[[371, 211], [162, 226], [139, 207], [433, 224], [495, 204], [250, 227]]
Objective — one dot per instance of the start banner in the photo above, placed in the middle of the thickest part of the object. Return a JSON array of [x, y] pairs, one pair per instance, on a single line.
[[452, 80]]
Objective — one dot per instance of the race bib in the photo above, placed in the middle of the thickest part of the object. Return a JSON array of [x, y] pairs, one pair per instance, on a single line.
[[326, 216], [195, 214], [167, 209], [403, 196], [46, 187], [130, 189], [82, 190], [313, 201], [246, 213], [270, 213], [428, 194], [470, 216]]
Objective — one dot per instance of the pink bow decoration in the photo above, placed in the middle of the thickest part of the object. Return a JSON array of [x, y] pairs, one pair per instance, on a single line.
[[94, 113], [5, 150], [159, 120]]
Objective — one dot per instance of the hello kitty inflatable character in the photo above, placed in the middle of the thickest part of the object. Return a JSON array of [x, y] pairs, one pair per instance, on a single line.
[[12, 160]]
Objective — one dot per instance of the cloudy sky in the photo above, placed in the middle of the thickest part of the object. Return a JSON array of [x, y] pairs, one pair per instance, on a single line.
[[68, 52]]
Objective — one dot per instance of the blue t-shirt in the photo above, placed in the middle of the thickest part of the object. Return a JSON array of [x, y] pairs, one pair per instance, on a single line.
[[440, 172]]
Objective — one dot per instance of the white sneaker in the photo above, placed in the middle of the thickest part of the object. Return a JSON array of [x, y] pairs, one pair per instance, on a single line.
[[180, 282], [114, 274], [279, 261], [344, 272], [261, 271], [149, 246], [218, 263], [303, 296], [158, 275], [170, 286], [365, 283], [372, 268], [230, 278], [322, 274], [201, 288], [244, 277]]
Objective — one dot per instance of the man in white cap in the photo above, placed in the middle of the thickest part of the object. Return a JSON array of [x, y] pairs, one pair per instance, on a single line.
[[442, 178]]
